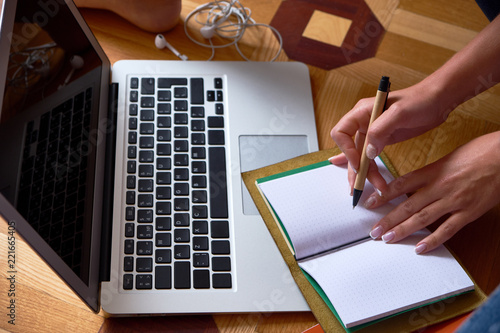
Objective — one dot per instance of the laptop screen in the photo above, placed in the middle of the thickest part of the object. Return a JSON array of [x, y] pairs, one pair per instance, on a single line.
[[48, 125]]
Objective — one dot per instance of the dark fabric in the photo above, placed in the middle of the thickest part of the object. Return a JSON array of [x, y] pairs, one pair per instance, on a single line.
[[490, 8]]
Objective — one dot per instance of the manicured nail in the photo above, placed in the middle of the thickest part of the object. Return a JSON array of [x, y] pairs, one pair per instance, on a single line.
[[420, 248], [330, 159], [355, 171], [375, 233], [371, 152], [369, 202], [388, 236]]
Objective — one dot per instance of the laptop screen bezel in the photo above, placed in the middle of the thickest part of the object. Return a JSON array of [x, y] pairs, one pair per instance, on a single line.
[[89, 293]]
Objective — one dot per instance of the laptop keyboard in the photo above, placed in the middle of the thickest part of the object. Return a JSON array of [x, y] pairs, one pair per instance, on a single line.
[[177, 233], [52, 186]]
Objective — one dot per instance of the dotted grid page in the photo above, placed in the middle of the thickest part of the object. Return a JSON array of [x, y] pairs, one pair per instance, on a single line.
[[316, 209], [373, 279]]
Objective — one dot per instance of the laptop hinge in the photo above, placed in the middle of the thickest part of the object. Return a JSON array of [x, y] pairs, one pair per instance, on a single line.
[[109, 170]]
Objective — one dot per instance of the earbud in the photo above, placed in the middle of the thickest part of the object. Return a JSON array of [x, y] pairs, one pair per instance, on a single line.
[[162, 43], [76, 63], [208, 31]]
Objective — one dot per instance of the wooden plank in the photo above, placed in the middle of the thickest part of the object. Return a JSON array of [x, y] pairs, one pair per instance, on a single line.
[[462, 13], [430, 30]]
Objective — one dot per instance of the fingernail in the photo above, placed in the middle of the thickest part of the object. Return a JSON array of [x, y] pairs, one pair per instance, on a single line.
[[375, 233], [330, 159], [420, 248], [369, 202], [353, 169], [388, 236], [371, 152]]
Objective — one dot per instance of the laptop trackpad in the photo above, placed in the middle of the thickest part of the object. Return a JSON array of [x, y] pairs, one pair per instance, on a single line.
[[257, 151]]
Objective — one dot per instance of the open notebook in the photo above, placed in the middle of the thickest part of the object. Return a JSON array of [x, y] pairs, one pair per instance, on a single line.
[[361, 279]]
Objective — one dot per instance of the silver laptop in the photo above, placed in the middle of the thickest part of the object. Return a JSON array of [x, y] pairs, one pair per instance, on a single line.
[[126, 179]]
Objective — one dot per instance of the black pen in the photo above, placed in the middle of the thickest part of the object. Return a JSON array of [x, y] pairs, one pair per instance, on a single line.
[[378, 107]]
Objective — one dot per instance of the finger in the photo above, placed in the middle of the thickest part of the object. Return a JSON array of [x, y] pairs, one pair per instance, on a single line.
[[376, 178], [351, 178], [401, 213], [417, 221], [339, 159], [444, 232], [402, 185]]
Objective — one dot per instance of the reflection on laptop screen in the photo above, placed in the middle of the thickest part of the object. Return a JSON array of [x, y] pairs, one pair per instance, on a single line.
[[48, 122]]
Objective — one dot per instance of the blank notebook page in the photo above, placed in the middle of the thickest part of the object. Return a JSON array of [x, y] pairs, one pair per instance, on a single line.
[[316, 209], [372, 280]]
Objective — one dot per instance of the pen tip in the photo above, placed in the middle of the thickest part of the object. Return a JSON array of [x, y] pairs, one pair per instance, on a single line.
[[353, 207]]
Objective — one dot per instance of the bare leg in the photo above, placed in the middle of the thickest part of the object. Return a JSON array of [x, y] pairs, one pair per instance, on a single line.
[[150, 15]]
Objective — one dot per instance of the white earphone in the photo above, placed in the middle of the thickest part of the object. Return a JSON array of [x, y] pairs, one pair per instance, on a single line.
[[161, 43], [76, 63], [225, 19]]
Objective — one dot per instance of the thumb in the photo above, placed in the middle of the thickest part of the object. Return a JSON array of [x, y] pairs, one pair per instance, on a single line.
[[379, 135]]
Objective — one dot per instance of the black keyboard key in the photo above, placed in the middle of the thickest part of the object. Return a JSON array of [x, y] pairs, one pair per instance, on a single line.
[[215, 137], [163, 163], [219, 108], [163, 223], [147, 86], [222, 280], [144, 248], [164, 122], [181, 251], [131, 166], [181, 204], [180, 105], [146, 170], [221, 264], [201, 260], [144, 231], [146, 156], [128, 264], [134, 96], [128, 281], [144, 265], [163, 239], [181, 220], [129, 246], [164, 95], [132, 110], [145, 215], [215, 122], [163, 277], [163, 256], [197, 91], [199, 167], [219, 229], [129, 232], [147, 102], [197, 125], [145, 185], [180, 92], [199, 196], [132, 123], [132, 152], [181, 174], [145, 200], [147, 115], [163, 193], [134, 83], [130, 213], [201, 279], [211, 95], [200, 243], [200, 227], [218, 182], [163, 178], [200, 212], [219, 96], [147, 128], [181, 189], [180, 132], [181, 145], [132, 138], [169, 82], [181, 159], [164, 108], [182, 275], [163, 149], [182, 235], [198, 138], [164, 135], [220, 247], [130, 197], [197, 112], [198, 153], [180, 119], [163, 208], [143, 281], [218, 83], [199, 181]]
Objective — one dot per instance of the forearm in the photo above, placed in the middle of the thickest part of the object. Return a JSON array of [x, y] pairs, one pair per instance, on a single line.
[[469, 72]]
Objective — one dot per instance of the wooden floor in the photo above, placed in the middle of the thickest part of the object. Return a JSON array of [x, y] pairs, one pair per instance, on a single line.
[[419, 37]]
